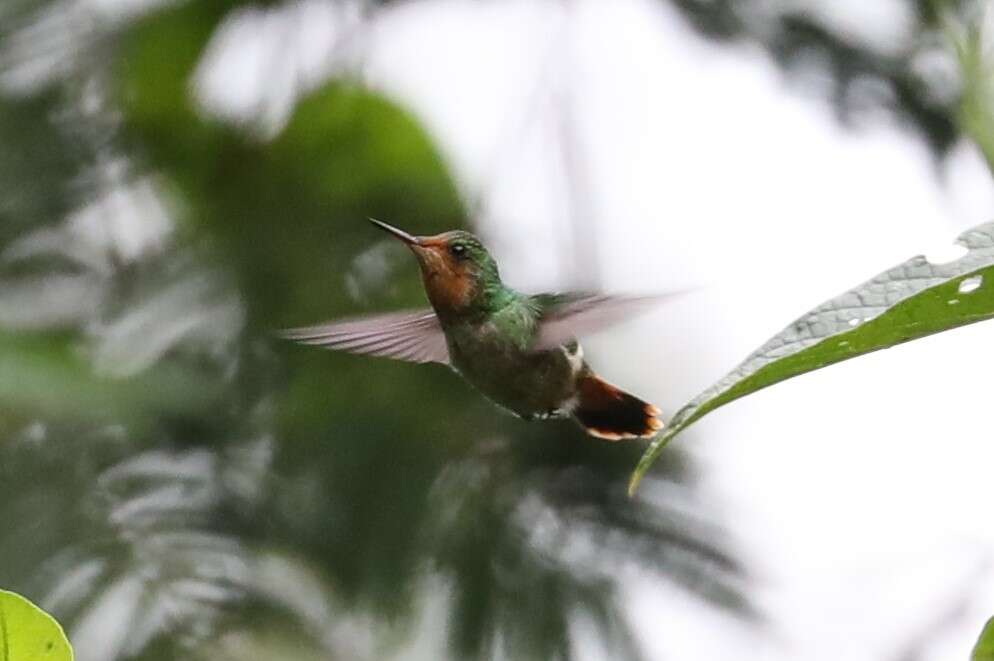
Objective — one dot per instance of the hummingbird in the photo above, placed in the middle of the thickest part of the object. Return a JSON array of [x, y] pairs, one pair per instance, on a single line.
[[518, 350]]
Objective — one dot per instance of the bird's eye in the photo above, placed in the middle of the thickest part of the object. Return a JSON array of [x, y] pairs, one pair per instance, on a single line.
[[458, 250]]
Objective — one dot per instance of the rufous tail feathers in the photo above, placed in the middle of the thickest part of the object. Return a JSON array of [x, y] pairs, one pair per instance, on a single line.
[[607, 412]]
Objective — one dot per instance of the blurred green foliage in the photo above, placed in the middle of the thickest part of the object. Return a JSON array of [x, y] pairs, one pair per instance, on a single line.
[[181, 484], [906, 78], [971, 43]]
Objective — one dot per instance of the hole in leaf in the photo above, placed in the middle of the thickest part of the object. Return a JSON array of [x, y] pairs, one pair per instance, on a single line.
[[954, 301], [971, 284]]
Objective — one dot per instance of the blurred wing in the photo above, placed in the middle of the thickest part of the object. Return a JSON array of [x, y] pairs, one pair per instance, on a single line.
[[415, 336], [567, 316]]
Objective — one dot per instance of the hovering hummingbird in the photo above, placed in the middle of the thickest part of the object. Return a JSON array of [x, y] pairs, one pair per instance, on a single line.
[[519, 350]]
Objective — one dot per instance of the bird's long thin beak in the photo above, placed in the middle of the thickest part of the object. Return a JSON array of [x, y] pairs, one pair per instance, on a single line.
[[400, 234]]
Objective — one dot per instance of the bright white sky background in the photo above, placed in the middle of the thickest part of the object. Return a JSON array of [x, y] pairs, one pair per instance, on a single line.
[[859, 495]]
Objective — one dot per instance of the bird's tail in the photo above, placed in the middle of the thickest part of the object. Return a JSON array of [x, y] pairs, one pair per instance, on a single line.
[[608, 412]]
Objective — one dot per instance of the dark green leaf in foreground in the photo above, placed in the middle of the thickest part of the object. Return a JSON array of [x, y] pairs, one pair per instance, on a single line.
[[984, 650], [27, 633], [909, 301]]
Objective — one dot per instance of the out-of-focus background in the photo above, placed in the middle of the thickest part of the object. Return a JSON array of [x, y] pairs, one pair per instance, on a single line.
[[179, 179]]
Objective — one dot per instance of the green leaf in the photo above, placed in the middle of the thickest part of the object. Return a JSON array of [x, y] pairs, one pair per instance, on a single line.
[[984, 649], [27, 633], [907, 302]]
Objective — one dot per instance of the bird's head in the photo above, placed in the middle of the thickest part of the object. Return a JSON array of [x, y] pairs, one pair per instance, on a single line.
[[457, 270]]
